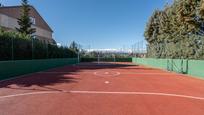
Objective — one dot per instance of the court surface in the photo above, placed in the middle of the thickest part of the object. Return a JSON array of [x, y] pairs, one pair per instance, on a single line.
[[104, 89]]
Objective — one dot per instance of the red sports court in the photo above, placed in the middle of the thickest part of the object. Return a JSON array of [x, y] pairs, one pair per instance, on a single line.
[[98, 57], [102, 89]]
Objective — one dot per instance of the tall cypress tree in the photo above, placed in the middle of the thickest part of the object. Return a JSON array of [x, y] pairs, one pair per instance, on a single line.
[[24, 20]]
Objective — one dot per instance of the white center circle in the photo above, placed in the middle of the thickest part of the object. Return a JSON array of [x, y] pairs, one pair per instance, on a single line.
[[106, 73]]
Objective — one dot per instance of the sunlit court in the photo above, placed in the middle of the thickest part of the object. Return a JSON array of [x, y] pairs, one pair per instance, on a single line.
[[101, 57], [102, 88]]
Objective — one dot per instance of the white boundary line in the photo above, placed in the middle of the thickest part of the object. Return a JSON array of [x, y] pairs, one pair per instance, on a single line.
[[26, 94], [104, 92], [138, 93]]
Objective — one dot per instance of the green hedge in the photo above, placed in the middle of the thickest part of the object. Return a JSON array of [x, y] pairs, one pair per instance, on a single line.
[[123, 59], [88, 59], [15, 46]]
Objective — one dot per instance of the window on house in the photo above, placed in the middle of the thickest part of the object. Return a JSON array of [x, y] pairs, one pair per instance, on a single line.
[[33, 20]]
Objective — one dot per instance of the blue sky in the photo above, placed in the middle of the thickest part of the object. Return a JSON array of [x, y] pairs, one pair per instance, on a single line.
[[98, 23]]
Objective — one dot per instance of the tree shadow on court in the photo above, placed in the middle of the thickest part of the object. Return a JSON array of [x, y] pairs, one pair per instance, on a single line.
[[84, 66], [47, 80], [128, 66], [44, 81]]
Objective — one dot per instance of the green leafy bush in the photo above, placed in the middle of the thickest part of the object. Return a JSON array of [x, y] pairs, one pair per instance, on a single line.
[[16, 46]]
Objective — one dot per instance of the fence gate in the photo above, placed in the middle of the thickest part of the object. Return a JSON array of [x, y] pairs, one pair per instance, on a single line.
[[177, 65]]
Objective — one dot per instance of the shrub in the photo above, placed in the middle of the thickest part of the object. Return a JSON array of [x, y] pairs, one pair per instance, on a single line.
[[16, 46]]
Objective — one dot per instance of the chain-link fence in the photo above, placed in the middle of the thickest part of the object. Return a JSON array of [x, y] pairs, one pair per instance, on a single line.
[[139, 49], [188, 48], [28, 49]]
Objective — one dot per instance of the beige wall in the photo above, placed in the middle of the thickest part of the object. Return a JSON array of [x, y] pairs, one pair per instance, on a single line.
[[43, 33], [8, 22], [12, 23]]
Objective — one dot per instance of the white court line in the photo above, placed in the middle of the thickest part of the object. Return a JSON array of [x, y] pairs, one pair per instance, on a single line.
[[26, 94], [138, 93], [104, 92], [105, 75]]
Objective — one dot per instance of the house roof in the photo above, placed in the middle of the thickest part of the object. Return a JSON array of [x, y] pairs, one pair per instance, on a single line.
[[15, 12]]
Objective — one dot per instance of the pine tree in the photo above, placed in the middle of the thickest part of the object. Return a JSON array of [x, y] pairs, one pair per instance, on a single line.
[[24, 21]]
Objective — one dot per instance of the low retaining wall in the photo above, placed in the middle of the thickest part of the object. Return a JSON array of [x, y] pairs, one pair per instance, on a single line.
[[10, 69], [190, 67]]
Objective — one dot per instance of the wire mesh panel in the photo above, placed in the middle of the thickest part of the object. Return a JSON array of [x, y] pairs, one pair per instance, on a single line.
[[20, 48]]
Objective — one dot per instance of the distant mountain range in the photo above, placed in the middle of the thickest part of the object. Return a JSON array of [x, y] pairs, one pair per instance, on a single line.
[[111, 50]]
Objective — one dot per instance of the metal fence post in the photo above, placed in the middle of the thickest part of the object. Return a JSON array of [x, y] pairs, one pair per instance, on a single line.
[[32, 49], [78, 57], [182, 66], [12, 49], [47, 55]]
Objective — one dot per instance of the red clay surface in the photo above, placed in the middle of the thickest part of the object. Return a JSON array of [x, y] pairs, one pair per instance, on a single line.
[[112, 89]]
